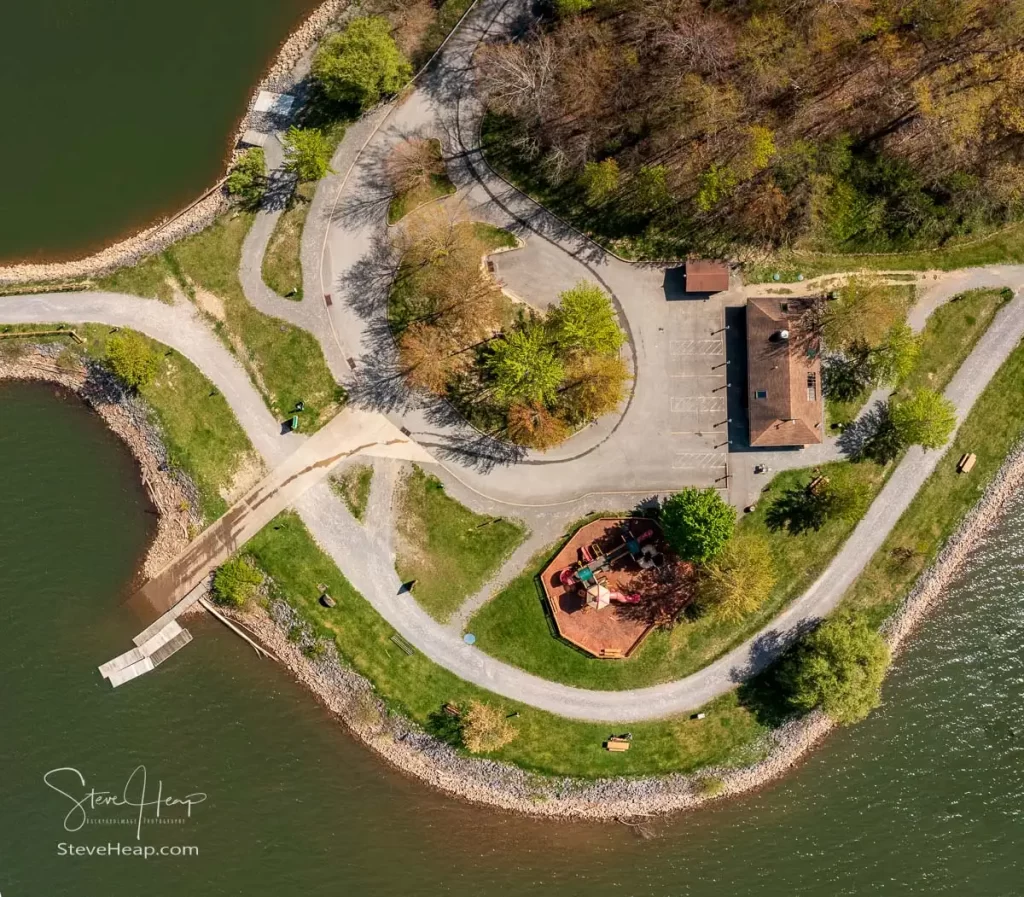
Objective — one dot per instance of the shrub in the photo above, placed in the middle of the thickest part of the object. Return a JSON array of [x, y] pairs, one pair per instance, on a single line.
[[738, 582], [838, 668], [235, 582], [697, 523], [247, 181], [362, 64], [132, 359], [566, 8], [307, 153], [485, 728]]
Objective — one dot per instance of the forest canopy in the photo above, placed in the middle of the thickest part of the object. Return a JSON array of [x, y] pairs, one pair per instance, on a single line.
[[703, 125]]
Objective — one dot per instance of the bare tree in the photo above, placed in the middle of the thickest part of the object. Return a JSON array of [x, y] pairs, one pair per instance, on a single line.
[[413, 162]]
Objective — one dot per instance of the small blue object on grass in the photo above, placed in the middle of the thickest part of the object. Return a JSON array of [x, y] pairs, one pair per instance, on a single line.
[[800, 277], [469, 638], [776, 277]]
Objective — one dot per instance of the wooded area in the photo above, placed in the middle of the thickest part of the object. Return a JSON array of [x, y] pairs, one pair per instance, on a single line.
[[668, 126]]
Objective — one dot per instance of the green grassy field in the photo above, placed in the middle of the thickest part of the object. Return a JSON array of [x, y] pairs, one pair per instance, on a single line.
[[450, 551], [353, 486], [417, 687], [514, 626], [282, 262]]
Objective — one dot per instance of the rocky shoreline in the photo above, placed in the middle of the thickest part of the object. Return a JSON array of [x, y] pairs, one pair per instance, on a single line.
[[503, 786], [289, 65], [171, 491]]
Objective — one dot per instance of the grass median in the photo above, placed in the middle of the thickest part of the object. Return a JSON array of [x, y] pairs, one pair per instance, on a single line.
[[282, 262], [418, 688], [447, 549]]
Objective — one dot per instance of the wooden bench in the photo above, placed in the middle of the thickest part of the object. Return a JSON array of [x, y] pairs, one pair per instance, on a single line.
[[452, 710], [616, 745], [612, 653], [403, 644], [966, 463], [816, 485]]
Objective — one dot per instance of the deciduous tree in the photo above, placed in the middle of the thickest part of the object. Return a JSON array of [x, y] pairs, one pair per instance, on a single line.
[[362, 64], [697, 523], [413, 162], [247, 181], [925, 418], [739, 581], [839, 669], [595, 385], [535, 427], [525, 367], [584, 321], [485, 728], [307, 153]]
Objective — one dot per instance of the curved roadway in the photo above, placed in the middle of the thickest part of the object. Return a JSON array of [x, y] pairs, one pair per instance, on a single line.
[[347, 215]]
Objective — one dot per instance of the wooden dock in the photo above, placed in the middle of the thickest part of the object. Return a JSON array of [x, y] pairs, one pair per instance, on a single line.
[[149, 653]]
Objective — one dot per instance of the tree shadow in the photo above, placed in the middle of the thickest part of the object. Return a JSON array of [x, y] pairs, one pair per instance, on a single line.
[[667, 592], [858, 435], [762, 690], [797, 511]]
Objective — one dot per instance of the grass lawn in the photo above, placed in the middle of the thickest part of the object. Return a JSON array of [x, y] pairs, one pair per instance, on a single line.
[[515, 626], [285, 362], [353, 487], [282, 262], [200, 431], [994, 425], [417, 687], [156, 277], [951, 334], [844, 412], [409, 200], [450, 551]]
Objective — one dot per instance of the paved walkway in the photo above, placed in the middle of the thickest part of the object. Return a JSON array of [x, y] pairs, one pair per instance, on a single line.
[[651, 452]]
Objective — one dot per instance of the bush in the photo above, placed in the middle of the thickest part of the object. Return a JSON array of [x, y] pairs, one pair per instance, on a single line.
[[485, 728], [235, 582], [307, 153], [131, 359], [838, 668], [247, 181], [697, 524], [362, 64]]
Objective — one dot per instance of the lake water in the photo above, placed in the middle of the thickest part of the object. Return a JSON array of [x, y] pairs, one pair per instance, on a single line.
[[118, 112], [924, 798]]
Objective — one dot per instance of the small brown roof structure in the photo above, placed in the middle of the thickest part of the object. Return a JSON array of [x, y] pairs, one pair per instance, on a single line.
[[706, 277], [783, 375]]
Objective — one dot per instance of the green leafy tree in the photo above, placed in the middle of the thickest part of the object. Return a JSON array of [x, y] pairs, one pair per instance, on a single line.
[[362, 64], [525, 367], [247, 181], [714, 185], [924, 418], [584, 321], [739, 581], [307, 153], [595, 386], [133, 360], [648, 190], [838, 668], [235, 582], [600, 181], [697, 524], [895, 358]]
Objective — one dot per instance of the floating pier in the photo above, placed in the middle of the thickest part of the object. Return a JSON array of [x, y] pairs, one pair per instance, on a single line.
[[152, 649]]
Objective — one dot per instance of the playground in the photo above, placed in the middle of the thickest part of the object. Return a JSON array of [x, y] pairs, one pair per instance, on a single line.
[[599, 586]]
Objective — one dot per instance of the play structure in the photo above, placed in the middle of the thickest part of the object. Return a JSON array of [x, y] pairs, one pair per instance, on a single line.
[[595, 585]]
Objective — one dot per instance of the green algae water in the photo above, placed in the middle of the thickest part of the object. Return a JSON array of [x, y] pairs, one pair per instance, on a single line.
[[118, 112], [923, 799]]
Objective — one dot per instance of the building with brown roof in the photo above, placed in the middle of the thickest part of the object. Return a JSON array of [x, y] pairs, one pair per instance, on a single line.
[[783, 375], [706, 277]]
